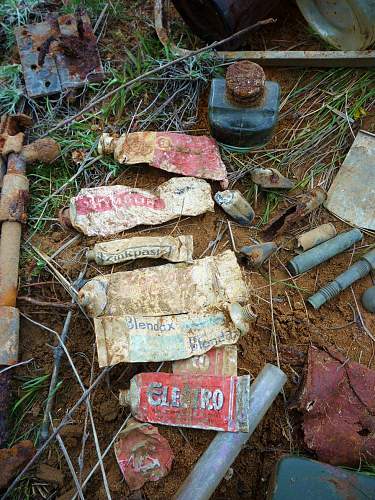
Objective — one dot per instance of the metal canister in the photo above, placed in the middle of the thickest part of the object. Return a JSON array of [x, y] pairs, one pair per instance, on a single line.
[[345, 24], [217, 19], [235, 205]]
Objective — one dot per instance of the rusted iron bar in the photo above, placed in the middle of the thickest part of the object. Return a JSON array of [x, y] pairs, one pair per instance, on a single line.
[[12, 214]]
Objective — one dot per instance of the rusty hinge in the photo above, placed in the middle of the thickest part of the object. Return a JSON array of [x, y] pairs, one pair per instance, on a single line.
[[58, 54]]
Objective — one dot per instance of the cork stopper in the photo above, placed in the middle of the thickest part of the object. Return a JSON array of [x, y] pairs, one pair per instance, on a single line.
[[245, 82]]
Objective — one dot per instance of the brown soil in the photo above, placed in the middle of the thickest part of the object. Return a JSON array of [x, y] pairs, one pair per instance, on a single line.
[[296, 328]]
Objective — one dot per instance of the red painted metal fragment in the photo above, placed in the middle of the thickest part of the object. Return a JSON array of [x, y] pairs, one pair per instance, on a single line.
[[142, 454], [338, 405]]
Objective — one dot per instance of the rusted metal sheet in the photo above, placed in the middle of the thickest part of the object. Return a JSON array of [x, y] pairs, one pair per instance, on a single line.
[[178, 249], [195, 156], [202, 402], [166, 290], [288, 217], [270, 178], [217, 361], [107, 210], [316, 236], [12, 460], [299, 58], [338, 406], [352, 194], [142, 454], [140, 339], [9, 329], [58, 54]]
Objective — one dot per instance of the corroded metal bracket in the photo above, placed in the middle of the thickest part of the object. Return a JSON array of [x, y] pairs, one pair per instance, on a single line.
[[58, 54], [297, 58]]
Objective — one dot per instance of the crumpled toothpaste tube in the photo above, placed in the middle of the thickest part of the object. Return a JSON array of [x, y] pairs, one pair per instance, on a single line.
[[203, 402], [178, 249], [134, 339], [166, 290], [196, 156], [106, 210]]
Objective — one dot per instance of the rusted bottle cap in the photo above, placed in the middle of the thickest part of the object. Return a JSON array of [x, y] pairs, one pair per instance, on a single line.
[[245, 82]]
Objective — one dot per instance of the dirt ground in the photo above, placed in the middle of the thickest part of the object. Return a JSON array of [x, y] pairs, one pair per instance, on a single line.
[[296, 326]]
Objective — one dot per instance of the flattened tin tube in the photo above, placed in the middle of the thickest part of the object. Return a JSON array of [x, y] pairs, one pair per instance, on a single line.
[[224, 448], [202, 402], [315, 256], [174, 249], [235, 205], [358, 270]]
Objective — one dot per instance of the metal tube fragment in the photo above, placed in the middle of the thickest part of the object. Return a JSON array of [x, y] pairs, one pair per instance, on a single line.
[[355, 272], [315, 256], [223, 450]]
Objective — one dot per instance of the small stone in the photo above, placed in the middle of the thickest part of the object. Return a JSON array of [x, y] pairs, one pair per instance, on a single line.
[[50, 474], [12, 460], [109, 410]]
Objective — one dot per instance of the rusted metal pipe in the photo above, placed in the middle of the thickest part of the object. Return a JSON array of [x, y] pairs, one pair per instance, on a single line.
[[12, 212]]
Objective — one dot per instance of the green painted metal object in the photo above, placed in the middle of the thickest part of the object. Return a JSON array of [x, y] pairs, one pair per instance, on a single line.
[[301, 478]]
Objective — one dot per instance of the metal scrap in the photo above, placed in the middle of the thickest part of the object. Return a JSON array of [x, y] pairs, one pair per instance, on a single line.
[[352, 194], [316, 236], [106, 210], [338, 406], [174, 249], [58, 54], [142, 454], [142, 339], [168, 289], [288, 217], [217, 361], [196, 156], [13, 459], [270, 178]]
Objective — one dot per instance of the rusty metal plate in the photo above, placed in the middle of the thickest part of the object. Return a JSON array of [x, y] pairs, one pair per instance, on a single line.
[[9, 330], [58, 54], [352, 194]]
